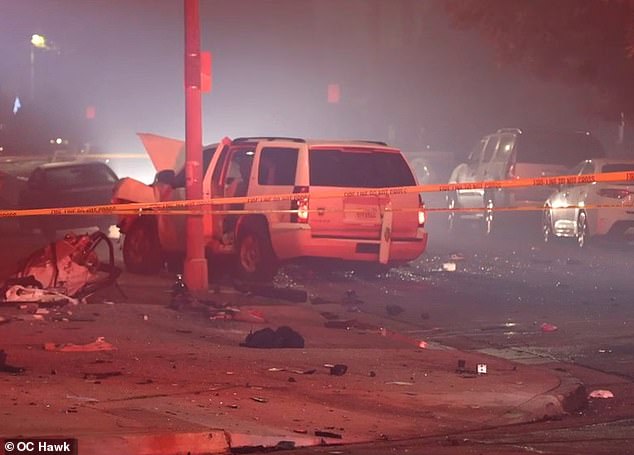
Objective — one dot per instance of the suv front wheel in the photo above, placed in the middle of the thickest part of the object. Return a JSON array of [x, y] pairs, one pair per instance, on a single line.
[[255, 258], [142, 249]]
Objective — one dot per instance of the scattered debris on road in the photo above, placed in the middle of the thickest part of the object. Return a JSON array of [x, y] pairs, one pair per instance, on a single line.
[[20, 293], [338, 369], [236, 314], [102, 375], [328, 434], [6, 368], [82, 399], [270, 291], [283, 337], [393, 309], [292, 370], [67, 269], [547, 327], [601, 394], [385, 332], [100, 344]]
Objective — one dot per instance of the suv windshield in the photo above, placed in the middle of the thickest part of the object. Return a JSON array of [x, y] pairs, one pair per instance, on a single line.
[[557, 148], [208, 154], [359, 169]]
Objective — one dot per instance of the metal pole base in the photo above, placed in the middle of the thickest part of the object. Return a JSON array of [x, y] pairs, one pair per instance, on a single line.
[[196, 274]]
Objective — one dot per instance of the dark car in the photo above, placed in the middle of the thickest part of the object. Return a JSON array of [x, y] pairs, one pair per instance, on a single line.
[[68, 184]]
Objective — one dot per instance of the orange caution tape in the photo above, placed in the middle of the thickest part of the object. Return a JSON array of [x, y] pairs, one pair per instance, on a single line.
[[142, 207]]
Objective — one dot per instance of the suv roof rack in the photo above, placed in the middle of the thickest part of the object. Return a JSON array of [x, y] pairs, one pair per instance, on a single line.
[[372, 142], [510, 130], [268, 138]]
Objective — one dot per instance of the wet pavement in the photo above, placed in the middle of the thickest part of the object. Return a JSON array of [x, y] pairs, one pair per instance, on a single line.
[[147, 369], [555, 308]]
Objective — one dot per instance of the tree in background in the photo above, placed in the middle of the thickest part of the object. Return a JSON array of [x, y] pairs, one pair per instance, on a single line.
[[586, 42]]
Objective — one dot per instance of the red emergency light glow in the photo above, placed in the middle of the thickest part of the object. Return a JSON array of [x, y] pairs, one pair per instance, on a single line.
[[334, 93]]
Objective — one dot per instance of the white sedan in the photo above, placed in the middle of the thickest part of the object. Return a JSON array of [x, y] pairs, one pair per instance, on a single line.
[[592, 209]]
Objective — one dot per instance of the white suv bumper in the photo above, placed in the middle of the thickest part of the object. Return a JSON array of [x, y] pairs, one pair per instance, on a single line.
[[294, 240]]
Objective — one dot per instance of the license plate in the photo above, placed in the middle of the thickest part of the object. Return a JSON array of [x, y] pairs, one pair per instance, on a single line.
[[361, 213]]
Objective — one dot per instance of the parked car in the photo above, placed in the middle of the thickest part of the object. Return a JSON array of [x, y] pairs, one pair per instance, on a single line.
[[10, 187], [351, 228], [592, 209], [431, 167], [512, 153], [68, 184]]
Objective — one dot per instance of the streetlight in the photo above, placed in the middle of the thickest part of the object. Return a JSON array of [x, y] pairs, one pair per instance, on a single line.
[[37, 41]]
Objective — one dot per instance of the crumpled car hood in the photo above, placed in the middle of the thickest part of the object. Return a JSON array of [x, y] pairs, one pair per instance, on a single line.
[[166, 153]]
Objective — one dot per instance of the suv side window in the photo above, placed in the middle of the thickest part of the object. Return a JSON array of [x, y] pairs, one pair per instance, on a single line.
[[489, 149], [278, 166], [577, 170], [559, 148], [588, 168], [238, 173], [476, 153], [220, 164], [505, 147]]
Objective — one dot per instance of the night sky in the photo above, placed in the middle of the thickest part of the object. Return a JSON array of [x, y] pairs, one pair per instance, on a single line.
[[405, 75]]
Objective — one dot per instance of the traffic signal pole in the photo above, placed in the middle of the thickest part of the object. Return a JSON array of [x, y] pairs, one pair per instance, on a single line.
[[196, 274]]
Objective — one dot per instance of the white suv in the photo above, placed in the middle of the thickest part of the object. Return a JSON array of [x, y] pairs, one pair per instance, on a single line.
[[348, 227]]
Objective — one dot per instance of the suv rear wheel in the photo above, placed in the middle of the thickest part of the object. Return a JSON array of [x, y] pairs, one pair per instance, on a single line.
[[142, 249], [582, 230], [452, 216], [255, 258], [547, 226], [489, 216]]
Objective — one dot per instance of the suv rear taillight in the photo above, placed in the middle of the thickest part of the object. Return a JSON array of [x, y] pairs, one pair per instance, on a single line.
[[301, 205], [614, 193], [421, 212]]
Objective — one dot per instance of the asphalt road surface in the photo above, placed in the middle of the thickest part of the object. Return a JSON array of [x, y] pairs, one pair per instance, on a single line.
[[515, 297], [510, 296]]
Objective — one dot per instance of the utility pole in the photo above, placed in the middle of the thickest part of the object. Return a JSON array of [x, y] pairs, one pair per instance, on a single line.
[[196, 275], [32, 79], [40, 42]]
